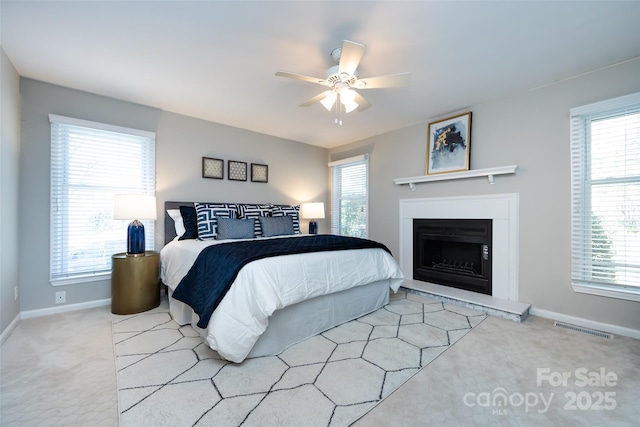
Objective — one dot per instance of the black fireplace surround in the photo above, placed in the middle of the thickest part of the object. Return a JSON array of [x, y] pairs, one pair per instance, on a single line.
[[453, 252]]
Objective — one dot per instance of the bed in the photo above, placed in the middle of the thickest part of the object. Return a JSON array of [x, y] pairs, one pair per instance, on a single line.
[[275, 301]]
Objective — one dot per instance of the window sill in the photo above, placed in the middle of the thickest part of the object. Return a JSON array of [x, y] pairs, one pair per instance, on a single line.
[[611, 292], [81, 279]]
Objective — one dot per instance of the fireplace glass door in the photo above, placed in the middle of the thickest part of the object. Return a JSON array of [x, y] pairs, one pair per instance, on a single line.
[[453, 252]]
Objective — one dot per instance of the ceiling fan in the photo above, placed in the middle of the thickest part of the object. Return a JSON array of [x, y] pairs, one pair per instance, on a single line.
[[342, 79]]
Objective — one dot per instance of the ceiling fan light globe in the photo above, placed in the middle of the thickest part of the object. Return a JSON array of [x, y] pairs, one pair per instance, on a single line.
[[328, 101], [350, 106], [346, 94], [347, 98]]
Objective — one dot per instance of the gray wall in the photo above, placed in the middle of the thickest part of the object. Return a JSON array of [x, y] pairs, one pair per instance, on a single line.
[[9, 160], [297, 172], [530, 130]]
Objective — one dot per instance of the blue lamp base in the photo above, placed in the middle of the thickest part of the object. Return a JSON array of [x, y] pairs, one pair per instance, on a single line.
[[135, 238], [313, 227]]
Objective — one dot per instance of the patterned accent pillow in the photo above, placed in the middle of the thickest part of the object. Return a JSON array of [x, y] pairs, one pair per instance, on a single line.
[[278, 226], [207, 212], [235, 228], [292, 211], [254, 211]]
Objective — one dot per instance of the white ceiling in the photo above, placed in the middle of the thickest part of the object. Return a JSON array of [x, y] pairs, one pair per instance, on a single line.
[[216, 60]]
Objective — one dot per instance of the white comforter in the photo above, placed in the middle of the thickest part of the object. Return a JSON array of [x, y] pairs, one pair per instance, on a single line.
[[269, 284]]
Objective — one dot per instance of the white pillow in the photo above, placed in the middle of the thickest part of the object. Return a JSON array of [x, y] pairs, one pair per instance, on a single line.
[[177, 221]]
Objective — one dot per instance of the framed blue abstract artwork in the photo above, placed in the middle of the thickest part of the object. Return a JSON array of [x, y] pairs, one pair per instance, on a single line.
[[448, 144]]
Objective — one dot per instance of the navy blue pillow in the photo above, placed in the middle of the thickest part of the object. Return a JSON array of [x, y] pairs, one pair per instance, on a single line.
[[229, 228], [276, 226], [190, 220]]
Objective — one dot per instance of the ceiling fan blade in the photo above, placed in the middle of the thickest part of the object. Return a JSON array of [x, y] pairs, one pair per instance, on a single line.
[[391, 80], [363, 104], [304, 78], [350, 56], [318, 97]]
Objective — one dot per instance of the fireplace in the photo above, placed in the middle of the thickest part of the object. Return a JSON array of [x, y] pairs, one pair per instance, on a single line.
[[502, 209], [453, 252]]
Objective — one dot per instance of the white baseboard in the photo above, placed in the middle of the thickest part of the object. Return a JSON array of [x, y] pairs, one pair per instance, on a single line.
[[534, 311], [48, 311], [64, 308], [578, 321], [5, 334]]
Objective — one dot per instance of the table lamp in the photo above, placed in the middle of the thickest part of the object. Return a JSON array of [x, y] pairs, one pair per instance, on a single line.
[[135, 207], [312, 211]]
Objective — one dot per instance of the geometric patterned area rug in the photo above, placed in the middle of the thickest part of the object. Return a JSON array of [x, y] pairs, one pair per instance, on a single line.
[[167, 375]]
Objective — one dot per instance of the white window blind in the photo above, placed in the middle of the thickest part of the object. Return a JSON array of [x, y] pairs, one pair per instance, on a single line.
[[349, 196], [90, 164], [605, 195]]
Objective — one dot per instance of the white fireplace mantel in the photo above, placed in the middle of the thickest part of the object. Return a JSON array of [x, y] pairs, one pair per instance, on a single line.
[[489, 173], [501, 208]]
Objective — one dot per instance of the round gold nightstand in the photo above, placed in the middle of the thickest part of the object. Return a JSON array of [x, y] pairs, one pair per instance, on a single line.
[[135, 282]]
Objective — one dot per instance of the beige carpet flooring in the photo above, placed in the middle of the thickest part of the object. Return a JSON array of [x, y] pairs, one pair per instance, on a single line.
[[59, 371]]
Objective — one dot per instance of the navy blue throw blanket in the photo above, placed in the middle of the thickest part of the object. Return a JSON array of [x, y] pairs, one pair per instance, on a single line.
[[217, 266]]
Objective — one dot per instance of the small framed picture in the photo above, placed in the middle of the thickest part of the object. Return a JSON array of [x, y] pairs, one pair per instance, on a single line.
[[237, 171], [448, 145], [259, 173], [212, 168]]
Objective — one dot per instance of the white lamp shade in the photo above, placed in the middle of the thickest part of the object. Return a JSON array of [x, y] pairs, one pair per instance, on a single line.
[[134, 206], [312, 210]]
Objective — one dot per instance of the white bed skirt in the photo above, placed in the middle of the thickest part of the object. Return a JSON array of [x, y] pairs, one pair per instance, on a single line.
[[297, 322]]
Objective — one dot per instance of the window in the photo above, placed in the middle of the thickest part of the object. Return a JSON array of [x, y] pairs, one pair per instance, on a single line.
[[90, 163], [349, 196], [605, 196]]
